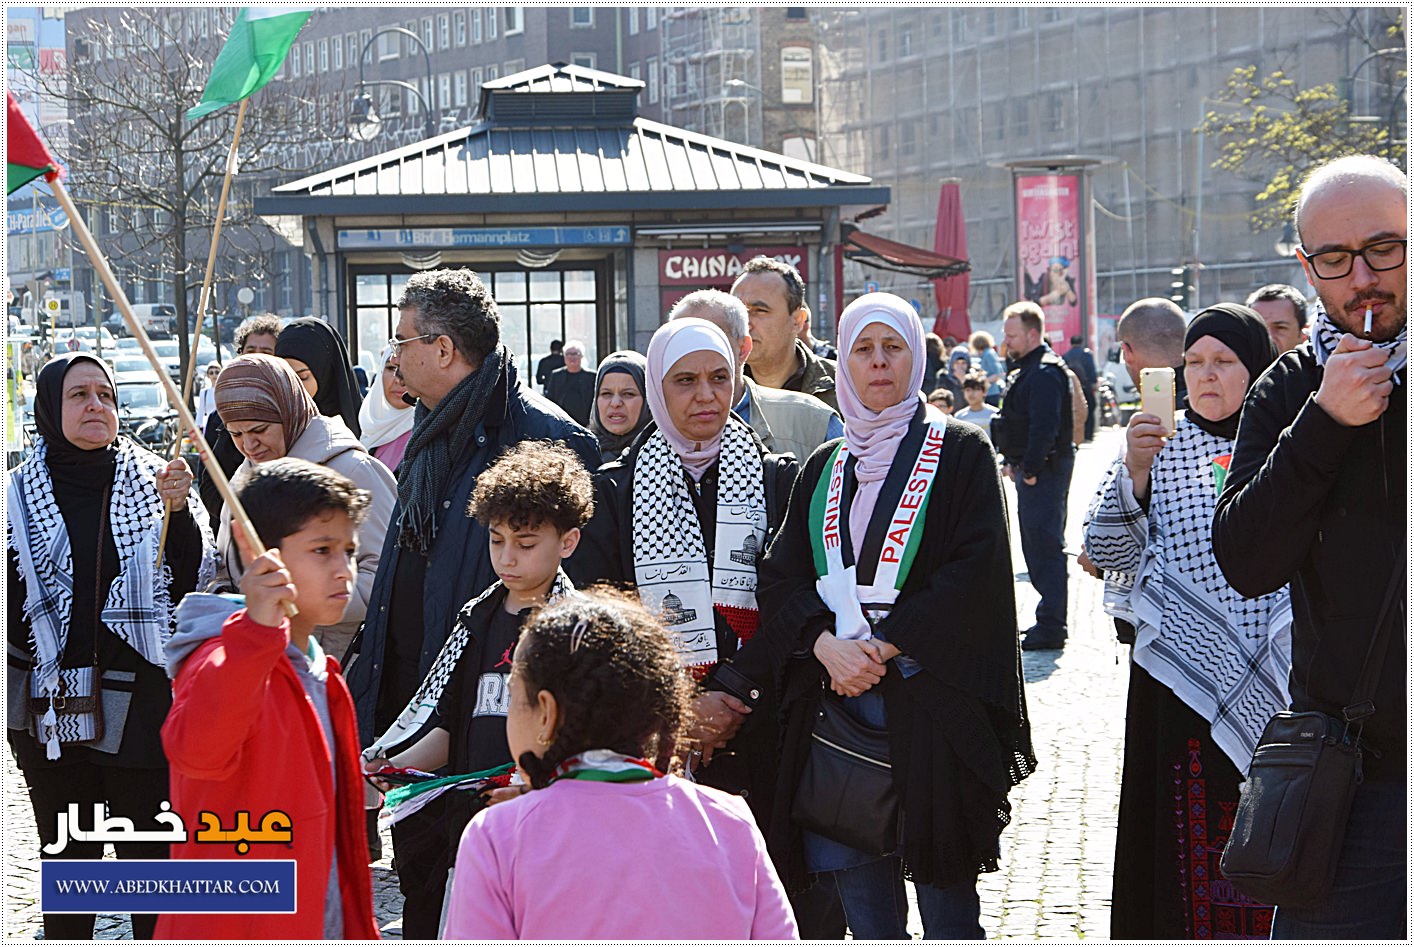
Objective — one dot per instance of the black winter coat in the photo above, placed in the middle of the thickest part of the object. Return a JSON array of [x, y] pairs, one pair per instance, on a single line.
[[605, 554], [959, 738], [1322, 507]]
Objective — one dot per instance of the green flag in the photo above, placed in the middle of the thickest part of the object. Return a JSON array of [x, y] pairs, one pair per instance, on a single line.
[[260, 39]]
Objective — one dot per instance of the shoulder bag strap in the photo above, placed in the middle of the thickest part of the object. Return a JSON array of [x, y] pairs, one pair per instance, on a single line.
[[1362, 705]]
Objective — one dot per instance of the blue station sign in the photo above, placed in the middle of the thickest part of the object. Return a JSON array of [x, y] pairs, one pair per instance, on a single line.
[[482, 238]]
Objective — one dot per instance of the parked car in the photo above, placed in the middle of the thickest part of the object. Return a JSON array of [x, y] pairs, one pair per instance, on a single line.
[[134, 368], [145, 416]]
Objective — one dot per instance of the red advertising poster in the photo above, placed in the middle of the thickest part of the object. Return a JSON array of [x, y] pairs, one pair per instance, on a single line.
[[1048, 251], [683, 271]]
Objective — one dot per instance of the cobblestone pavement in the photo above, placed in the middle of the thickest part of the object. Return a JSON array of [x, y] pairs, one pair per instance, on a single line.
[[1057, 854]]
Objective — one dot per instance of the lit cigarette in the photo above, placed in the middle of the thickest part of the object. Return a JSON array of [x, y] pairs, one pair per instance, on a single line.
[[1369, 319]]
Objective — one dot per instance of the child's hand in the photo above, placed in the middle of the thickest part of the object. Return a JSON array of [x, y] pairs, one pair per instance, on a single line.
[[373, 766], [504, 794], [269, 591]]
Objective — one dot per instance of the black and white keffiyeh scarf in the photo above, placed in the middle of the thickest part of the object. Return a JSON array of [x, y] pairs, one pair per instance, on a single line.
[[138, 608], [1325, 336], [1225, 656], [424, 702], [674, 576]]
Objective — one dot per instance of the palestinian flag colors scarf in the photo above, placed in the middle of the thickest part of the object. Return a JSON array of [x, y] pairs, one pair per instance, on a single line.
[[872, 584], [605, 766]]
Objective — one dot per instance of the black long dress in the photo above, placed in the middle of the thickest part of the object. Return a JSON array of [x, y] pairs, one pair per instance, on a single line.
[[959, 738]]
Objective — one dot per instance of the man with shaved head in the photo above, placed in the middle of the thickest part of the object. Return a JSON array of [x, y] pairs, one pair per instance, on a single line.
[[1316, 497]]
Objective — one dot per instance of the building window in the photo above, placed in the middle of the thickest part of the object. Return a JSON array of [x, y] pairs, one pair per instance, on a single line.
[[361, 41], [388, 46], [652, 67], [324, 55], [427, 33], [650, 18], [1001, 121], [476, 25], [492, 73], [392, 100], [907, 142], [883, 45], [444, 91], [515, 21], [632, 13], [309, 58], [905, 40], [1055, 112], [1021, 115], [586, 60], [459, 27], [581, 17], [883, 148], [493, 22], [512, 66], [635, 71], [338, 51], [476, 82], [295, 61], [459, 90], [444, 31]]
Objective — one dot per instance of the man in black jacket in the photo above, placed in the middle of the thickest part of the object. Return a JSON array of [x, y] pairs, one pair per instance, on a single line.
[[1316, 497], [1082, 361], [471, 408], [1039, 458]]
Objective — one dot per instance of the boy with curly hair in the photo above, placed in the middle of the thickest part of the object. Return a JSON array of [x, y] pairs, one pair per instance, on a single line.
[[533, 501]]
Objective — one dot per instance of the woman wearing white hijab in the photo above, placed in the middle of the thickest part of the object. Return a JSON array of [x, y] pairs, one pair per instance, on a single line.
[[682, 517], [887, 596], [385, 418]]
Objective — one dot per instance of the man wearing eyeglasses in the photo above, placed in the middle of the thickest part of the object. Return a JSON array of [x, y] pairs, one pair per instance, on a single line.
[[1316, 497], [471, 408]]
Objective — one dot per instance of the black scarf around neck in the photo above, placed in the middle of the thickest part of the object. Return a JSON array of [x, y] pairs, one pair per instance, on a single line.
[[437, 435]]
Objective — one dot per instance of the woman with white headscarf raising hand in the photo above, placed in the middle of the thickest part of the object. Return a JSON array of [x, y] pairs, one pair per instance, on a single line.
[[683, 516], [887, 596]]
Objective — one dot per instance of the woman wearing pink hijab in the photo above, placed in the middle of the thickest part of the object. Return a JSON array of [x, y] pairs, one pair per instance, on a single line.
[[887, 597], [682, 517]]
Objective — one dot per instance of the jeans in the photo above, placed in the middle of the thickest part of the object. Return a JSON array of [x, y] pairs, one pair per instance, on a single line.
[[876, 906], [1368, 900], [1040, 511]]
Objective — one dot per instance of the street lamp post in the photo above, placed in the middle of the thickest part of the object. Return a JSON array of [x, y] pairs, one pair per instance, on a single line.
[[1394, 102], [364, 120]]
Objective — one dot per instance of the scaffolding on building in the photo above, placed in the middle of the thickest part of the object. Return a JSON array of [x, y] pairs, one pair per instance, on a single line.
[[713, 70]]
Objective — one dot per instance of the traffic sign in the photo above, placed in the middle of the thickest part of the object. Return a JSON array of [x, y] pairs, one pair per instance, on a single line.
[[871, 286], [52, 305]]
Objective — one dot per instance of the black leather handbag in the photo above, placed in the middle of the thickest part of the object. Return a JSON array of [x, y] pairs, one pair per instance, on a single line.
[[846, 791], [1290, 824]]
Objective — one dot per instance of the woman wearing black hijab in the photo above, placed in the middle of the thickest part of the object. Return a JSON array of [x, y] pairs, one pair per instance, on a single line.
[[89, 614], [1209, 667], [317, 354]]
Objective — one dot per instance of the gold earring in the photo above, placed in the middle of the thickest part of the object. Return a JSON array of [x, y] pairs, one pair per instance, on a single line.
[[545, 741]]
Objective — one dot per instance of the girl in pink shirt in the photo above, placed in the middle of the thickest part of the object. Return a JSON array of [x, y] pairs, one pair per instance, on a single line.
[[603, 846]]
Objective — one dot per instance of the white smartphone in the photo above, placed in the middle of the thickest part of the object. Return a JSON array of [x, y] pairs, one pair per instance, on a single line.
[[1156, 394]]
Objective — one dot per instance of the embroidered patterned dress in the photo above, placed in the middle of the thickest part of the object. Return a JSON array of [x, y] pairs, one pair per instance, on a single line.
[[1209, 670]]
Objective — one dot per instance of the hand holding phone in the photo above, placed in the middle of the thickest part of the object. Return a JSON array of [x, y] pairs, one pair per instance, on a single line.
[[1156, 395]]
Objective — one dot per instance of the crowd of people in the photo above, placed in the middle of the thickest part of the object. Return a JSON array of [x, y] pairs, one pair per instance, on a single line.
[[747, 605]]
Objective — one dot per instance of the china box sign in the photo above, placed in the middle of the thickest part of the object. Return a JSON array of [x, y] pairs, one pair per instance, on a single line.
[[719, 268]]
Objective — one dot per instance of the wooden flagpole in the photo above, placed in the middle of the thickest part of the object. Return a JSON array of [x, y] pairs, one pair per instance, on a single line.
[[204, 299], [120, 299]]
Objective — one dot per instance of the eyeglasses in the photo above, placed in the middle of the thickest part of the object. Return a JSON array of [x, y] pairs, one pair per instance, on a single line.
[[397, 344], [1336, 264]]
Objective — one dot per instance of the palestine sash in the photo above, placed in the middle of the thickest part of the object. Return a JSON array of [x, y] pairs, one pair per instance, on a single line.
[[866, 590]]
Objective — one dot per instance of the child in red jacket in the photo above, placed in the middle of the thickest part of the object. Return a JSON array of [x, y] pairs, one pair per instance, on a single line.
[[261, 719]]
